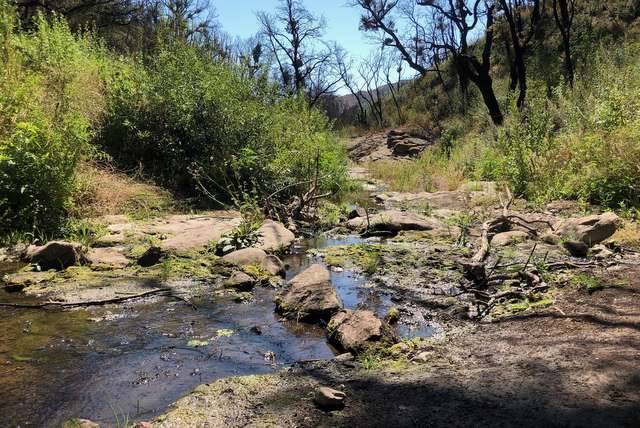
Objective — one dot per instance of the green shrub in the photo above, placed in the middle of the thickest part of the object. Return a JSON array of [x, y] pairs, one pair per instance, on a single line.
[[50, 98], [197, 126]]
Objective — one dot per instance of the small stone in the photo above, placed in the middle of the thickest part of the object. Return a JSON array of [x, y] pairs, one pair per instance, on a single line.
[[576, 248], [151, 257], [256, 329], [143, 424], [82, 423], [240, 281], [347, 356], [337, 269], [422, 357], [329, 399], [601, 252]]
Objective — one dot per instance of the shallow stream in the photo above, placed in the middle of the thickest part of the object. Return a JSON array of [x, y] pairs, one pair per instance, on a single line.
[[131, 361]]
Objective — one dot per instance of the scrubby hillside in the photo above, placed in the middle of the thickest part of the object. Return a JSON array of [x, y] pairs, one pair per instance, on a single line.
[[577, 142]]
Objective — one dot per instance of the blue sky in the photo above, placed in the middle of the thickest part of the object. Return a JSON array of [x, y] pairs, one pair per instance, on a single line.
[[237, 18]]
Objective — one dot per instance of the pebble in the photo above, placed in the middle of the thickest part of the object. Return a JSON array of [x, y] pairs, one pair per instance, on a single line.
[[329, 399]]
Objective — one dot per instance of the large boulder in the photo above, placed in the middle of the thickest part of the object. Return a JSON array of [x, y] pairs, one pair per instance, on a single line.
[[274, 237], [309, 296], [395, 221], [54, 255], [352, 330], [590, 230], [256, 257]]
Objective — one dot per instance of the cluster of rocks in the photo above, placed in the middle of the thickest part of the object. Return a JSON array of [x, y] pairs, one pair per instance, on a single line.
[[311, 297], [394, 144], [176, 235], [579, 236], [407, 143]]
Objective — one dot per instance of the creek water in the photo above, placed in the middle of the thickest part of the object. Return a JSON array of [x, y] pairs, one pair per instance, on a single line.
[[131, 361]]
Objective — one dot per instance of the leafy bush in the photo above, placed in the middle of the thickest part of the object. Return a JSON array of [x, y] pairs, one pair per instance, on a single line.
[[50, 97], [198, 127]]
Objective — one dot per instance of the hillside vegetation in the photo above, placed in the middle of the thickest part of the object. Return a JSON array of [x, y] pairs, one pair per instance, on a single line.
[[577, 142]]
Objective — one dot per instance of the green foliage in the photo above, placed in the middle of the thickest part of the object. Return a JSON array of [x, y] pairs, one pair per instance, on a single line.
[[199, 127], [85, 231], [589, 283], [50, 98], [246, 234], [463, 221]]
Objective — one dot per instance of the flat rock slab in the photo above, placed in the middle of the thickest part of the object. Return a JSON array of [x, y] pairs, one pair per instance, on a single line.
[[180, 233], [453, 200], [20, 280], [395, 221], [507, 238], [195, 234], [109, 257]]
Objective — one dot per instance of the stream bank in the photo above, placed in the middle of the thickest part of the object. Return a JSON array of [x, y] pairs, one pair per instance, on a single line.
[[528, 361]]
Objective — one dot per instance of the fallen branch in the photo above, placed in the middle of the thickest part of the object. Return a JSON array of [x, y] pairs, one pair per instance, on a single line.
[[94, 302]]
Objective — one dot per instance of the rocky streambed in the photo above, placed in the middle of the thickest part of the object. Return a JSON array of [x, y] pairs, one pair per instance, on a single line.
[[353, 315], [131, 359]]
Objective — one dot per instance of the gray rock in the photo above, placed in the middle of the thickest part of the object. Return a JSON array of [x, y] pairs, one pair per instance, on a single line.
[[55, 255], [601, 252], [274, 237], [309, 296], [256, 257], [352, 330], [590, 230], [240, 281], [329, 399]]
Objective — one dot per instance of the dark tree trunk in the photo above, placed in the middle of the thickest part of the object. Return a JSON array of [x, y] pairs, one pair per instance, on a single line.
[[568, 62], [485, 85]]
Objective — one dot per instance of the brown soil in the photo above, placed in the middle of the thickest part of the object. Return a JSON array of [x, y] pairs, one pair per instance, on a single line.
[[574, 364]]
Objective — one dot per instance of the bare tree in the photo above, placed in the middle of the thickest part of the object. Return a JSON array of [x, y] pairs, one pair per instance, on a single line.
[[443, 31], [381, 16], [454, 22], [392, 70], [563, 12], [522, 18], [344, 65], [294, 37], [190, 20], [370, 72]]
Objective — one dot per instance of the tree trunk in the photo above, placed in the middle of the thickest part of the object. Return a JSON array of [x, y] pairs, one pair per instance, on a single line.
[[522, 77], [568, 63], [485, 85]]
